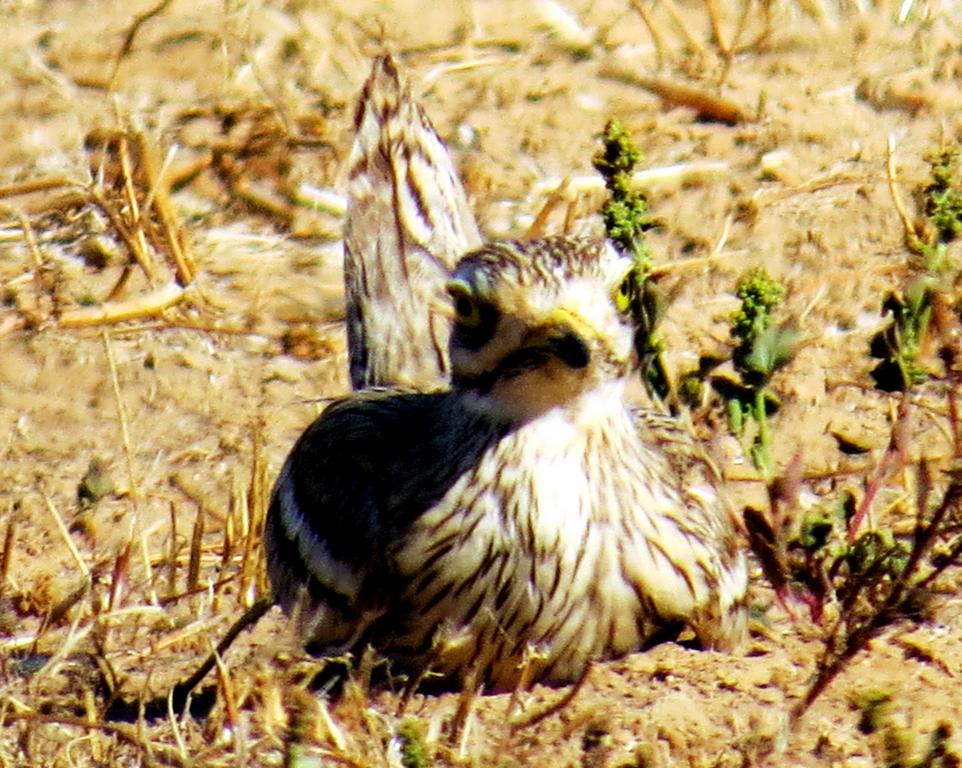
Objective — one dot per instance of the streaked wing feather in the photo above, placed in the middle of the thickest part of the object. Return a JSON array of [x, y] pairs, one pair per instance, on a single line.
[[408, 222]]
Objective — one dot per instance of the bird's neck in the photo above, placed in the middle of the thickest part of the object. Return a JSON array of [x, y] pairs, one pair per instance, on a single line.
[[525, 404]]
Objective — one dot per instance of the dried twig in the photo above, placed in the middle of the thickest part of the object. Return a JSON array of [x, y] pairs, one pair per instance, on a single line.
[[708, 106], [555, 199], [36, 185], [132, 31], [158, 196], [124, 732], [6, 554], [121, 415], [890, 174], [555, 706], [714, 17], [656, 36], [685, 28], [68, 539]]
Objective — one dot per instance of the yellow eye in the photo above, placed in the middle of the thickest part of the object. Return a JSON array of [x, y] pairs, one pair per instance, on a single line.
[[467, 310], [625, 292]]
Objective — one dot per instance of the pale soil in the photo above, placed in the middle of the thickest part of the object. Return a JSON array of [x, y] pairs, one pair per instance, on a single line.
[[201, 384]]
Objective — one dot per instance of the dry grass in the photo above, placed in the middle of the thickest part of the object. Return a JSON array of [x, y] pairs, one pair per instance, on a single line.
[[169, 273]]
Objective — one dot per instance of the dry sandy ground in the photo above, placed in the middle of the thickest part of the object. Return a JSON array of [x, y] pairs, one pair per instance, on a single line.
[[194, 409]]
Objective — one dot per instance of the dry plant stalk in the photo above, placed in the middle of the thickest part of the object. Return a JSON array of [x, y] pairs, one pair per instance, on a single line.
[[656, 36], [911, 236], [133, 735], [6, 555], [685, 28], [252, 574], [128, 186], [172, 553], [196, 544], [35, 185], [131, 35], [134, 308], [892, 601], [708, 106], [555, 706], [556, 199]]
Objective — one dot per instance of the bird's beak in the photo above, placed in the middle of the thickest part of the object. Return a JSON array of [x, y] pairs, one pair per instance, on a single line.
[[564, 335]]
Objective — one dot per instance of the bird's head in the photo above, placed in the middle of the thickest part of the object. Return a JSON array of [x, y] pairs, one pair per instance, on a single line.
[[538, 324]]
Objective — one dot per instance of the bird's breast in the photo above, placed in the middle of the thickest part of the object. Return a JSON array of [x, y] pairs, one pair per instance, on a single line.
[[559, 538]]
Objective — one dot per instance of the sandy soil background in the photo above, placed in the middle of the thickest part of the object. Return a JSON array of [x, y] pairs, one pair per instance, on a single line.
[[187, 412]]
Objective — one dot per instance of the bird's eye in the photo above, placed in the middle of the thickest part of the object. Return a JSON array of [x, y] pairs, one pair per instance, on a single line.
[[467, 310], [625, 291]]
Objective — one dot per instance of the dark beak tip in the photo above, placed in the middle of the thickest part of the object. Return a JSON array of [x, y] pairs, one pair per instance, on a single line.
[[572, 351]]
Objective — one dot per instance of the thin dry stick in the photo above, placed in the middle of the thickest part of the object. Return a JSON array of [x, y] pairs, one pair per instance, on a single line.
[[174, 721], [136, 219], [121, 414], [236, 508], [227, 691], [196, 540], [147, 305], [539, 225], [684, 27], [128, 455], [715, 18], [65, 534], [656, 36], [256, 508], [158, 194], [121, 283], [172, 553], [554, 706], [119, 578], [123, 732], [139, 20], [891, 460], [707, 105], [890, 174], [6, 557], [571, 216], [133, 243], [34, 249], [63, 203], [739, 30], [35, 185]]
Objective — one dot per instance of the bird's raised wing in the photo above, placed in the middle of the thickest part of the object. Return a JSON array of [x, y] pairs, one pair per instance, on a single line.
[[408, 222]]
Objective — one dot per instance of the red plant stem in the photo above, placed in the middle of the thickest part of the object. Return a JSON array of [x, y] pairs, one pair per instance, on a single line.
[[895, 457]]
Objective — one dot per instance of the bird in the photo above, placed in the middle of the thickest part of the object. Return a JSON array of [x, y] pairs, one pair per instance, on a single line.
[[487, 506]]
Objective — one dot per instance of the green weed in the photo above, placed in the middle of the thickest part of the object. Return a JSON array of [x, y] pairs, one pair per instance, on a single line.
[[627, 218]]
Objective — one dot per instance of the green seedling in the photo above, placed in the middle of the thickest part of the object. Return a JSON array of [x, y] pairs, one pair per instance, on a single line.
[[878, 580], [876, 710], [899, 345], [761, 349], [627, 219], [942, 203], [414, 752]]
